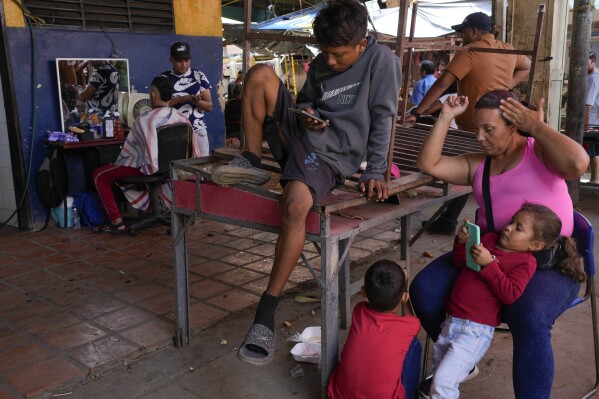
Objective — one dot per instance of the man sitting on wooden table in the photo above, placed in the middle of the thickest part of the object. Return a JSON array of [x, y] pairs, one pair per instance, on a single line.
[[139, 155], [353, 85]]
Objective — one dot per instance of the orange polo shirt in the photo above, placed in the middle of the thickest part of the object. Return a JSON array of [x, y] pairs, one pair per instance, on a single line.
[[479, 72]]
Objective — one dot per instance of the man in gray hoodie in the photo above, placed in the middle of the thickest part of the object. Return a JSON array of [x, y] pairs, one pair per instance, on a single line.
[[352, 88]]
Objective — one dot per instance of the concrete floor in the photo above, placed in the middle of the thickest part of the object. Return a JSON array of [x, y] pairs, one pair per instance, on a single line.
[[208, 368]]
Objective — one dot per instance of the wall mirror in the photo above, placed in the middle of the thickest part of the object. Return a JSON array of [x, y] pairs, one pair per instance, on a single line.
[[90, 85]]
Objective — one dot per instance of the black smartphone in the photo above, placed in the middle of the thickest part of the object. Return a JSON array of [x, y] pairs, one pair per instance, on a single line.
[[308, 115]]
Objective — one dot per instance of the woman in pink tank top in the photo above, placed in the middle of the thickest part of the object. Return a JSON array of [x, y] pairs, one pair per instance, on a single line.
[[530, 162]]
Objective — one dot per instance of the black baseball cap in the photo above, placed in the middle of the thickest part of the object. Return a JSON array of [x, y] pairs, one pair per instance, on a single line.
[[180, 51], [478, 20], [592, 55]]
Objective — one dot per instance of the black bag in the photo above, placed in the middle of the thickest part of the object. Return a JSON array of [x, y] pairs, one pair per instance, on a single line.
[[548, 257], [53, 181]]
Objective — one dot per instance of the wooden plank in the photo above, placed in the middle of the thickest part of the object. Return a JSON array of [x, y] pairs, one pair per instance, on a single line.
[[254, 35], [447, 47], [405, 157], [535, 53]]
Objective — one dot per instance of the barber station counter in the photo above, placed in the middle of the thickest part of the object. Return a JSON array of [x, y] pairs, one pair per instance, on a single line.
[[91, 154]]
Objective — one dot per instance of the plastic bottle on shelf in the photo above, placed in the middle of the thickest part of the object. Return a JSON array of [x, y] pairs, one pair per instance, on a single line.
[[76, 219], [119, 131], [109, 126]]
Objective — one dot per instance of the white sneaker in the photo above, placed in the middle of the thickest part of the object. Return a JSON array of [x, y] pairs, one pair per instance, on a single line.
[[473, 373]]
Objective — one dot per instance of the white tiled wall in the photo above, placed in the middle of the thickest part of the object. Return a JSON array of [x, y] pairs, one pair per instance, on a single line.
[[7, 189]]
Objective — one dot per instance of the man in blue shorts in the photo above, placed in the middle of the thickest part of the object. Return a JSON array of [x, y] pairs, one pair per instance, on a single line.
[[353, 84]]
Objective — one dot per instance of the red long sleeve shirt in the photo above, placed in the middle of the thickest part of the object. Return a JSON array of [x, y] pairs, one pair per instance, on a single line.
[[478, 296]]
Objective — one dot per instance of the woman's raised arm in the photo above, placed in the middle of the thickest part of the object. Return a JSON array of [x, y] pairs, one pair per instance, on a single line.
[[558, 152], [453, 170]]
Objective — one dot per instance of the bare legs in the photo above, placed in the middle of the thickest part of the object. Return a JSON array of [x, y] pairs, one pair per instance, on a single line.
[[297, 201], [260, 89]]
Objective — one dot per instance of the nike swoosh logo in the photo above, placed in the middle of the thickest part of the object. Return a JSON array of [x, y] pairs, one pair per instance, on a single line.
[[181, 87], [332, 93]]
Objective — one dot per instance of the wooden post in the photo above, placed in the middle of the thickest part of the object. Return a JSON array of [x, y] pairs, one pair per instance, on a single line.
[[582, 20], [406, 72], [558, 25], [399, 48], [500, 17], [535, 53], [247, 25], [521, 36], [549, 71]]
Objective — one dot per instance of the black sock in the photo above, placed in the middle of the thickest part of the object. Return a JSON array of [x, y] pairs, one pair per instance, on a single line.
[[254, 159], [265, 314]]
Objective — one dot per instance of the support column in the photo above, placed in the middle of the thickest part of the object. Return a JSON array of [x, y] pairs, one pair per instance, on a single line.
[[559, 27], [329, 300], [582, 20], [521, 35], [500, 17]]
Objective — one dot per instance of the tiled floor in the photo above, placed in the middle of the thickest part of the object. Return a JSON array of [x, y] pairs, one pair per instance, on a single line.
[[74, 303]]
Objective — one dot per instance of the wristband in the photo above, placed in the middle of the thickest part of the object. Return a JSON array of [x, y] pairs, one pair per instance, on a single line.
[[415, 113]]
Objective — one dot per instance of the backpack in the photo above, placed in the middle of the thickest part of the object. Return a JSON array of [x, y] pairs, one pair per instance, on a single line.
[[53, 180], [90, 208]]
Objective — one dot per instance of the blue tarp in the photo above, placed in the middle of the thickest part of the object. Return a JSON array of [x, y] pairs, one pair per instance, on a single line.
[[435, 17], [298, 20]]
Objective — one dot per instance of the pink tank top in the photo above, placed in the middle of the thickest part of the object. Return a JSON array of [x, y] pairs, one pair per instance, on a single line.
[[529, 181]]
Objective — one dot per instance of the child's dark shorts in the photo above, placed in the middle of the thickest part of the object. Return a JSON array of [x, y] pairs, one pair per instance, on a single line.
[[299, 161]]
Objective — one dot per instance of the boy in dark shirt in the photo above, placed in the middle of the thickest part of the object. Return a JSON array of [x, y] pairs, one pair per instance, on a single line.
[[354, 85]]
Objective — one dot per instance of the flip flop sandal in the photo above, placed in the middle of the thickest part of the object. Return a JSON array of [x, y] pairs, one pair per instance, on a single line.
[[261, 337]]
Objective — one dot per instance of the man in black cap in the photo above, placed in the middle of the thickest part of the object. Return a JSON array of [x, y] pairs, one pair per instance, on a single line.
[[191, 94], [477, 73]]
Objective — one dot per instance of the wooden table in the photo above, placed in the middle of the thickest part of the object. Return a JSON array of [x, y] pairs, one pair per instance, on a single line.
[[87, 143], [331, 226], [94, 153]]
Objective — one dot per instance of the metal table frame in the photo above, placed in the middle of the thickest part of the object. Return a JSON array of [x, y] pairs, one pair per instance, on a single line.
[[331, 234]]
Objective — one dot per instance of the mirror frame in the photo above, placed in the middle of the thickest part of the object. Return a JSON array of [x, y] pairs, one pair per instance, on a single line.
[[60, 99]]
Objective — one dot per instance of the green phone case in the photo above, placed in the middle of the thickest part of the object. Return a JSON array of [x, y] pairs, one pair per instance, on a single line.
[[474, 233]]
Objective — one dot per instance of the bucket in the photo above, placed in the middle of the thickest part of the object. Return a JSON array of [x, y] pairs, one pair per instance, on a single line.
[[58, 213]]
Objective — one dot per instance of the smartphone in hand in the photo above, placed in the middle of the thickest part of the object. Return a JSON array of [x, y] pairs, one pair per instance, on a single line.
[[306, 115], [474, 233]]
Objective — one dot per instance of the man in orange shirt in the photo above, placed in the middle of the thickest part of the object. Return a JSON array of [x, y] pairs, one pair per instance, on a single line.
[[500, 71], [477, 73]]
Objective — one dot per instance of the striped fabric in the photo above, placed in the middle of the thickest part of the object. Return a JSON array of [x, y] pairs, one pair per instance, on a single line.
[[141, 151]]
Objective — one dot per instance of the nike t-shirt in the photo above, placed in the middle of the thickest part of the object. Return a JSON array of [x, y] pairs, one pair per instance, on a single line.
[[106, 80], [191, 82]]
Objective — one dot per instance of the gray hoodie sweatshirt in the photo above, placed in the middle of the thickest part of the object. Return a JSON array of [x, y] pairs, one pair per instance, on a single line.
[[360, 104]]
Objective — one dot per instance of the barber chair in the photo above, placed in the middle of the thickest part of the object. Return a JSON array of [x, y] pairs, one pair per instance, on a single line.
[[174, 143]]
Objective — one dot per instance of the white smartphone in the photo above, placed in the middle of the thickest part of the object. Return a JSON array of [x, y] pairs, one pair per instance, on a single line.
[[308, 115]]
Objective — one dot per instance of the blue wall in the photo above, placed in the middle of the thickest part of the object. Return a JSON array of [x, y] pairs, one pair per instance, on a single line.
[[147, 55]]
